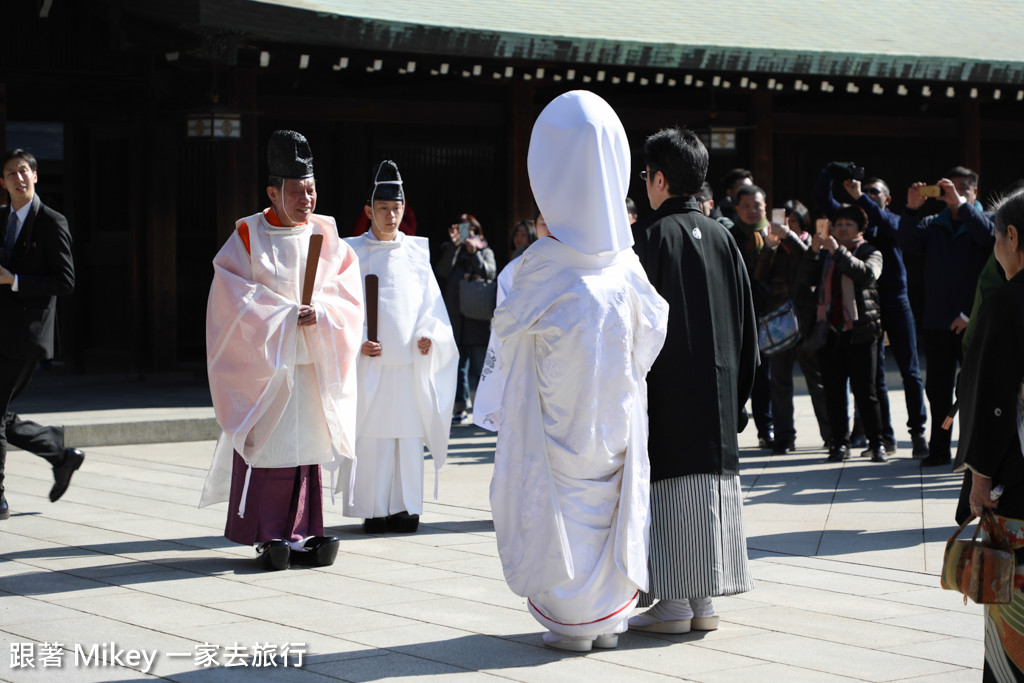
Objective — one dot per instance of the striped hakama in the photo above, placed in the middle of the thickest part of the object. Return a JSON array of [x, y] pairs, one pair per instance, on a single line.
[[698, 545]]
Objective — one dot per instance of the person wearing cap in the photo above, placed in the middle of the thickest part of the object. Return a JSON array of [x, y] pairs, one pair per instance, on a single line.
[[406, 372], [282, 372], [578, 330]]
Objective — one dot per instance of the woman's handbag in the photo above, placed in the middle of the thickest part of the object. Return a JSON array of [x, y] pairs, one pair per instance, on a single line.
[[477, 298], [980, 569], [778, 330]]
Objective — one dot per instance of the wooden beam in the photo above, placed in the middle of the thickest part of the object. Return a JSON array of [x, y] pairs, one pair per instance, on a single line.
[[521, 116], [490, 115], [165, 133], [880, 126], [761, 152], [970, 151]]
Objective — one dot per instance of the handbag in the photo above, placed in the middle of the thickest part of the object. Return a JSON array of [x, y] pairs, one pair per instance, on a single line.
[[477, 298], [778, 330], [980, 569]]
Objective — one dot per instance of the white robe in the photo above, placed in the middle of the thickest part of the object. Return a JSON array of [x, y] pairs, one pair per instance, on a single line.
[[402, 393], [487, 402], [284, 396], [570, 491]]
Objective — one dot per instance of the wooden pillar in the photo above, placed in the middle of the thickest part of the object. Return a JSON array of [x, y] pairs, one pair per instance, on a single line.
[[970, 152], [166, 135], [239, 174], [521, 114], [3, 118], [761, 153]]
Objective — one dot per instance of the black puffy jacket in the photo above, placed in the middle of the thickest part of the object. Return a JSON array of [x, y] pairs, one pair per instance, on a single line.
[[864, 266]]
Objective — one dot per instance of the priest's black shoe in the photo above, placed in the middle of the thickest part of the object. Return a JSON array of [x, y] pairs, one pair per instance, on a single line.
[[403, 523], [320, 551], [375, 525], [838, 453], [275, 555], [5, 511], [62, 473]]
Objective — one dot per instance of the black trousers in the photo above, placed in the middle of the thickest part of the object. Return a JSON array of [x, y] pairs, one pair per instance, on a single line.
[[840, 361], [46, 442], [943, 352]]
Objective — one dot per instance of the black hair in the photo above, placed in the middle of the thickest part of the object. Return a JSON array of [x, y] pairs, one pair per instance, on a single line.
[[705, 193], [750, 189], [21, 154], [630, 206], [873, 181], [854, 213], [794, 207], [963, 172], [531, 233], [680, 156], [1010, 211], [275, 181], [730, 178]]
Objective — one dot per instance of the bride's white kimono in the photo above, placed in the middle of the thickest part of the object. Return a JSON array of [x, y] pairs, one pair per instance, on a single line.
[[578, 332]]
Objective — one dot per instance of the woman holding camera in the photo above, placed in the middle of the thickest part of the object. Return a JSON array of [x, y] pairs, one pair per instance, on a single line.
[[466, 256]]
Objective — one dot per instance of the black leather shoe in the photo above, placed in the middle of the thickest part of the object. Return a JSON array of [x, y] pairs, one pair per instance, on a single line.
[[838, 453], [403, 523], [878, 454], [375, 525], [5, 511], [320, 551], [936, 460], [783, 447], [920, 446], [62, 473], [275, 555]]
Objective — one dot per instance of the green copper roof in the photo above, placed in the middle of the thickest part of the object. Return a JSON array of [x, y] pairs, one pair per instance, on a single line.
[[962, 40]]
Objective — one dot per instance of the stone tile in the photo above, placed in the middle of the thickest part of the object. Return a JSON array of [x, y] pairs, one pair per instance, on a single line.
[[149, 611], [829, 657], [954, 624], [830, 602], [16, 609], [394, 666], [958, 651], [467, 616], [945, 600], [866, 631], [250, 632], [824, 580], [307, 613], [476, 589], [767, 672]]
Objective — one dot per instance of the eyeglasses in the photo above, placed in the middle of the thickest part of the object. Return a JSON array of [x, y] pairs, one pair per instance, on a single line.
[[872, 190], [643, 176]]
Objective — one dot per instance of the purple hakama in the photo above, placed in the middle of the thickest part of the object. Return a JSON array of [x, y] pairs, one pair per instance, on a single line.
[[282, 503]]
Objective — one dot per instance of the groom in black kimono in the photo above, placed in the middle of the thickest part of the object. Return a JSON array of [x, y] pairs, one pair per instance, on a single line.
[[696, 391]]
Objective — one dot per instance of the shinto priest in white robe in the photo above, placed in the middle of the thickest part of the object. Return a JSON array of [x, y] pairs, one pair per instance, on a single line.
[[578, 331], [405, 397], [284, 395]]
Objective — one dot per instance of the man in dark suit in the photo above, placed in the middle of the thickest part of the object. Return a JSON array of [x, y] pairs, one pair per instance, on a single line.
[[35, 266]]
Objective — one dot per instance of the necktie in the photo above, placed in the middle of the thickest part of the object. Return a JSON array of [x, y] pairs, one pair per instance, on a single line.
[[12, 234]]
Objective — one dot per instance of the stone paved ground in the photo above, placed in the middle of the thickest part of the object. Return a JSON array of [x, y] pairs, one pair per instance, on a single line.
[[845, 557]]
